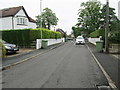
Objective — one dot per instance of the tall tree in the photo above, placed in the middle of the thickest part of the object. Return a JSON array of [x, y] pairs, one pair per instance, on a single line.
[[89, 15], [77, 30], [113, 20], [47, 18]]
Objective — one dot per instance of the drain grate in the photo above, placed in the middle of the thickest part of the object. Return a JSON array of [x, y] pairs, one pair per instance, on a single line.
[[103, 87]]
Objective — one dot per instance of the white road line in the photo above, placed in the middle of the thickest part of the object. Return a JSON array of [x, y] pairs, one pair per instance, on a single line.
[[111, 83]]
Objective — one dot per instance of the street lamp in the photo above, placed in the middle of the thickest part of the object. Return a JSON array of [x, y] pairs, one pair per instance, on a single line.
[[41, 18], [107, 27]]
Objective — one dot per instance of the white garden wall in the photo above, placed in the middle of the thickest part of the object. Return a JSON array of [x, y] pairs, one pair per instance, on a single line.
[[93, 40], [50, 42]]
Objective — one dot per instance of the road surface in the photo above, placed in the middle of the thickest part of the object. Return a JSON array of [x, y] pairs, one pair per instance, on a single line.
[[69, 66]]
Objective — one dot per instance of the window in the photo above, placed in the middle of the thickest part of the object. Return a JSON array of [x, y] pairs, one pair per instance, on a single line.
[[21, 21]]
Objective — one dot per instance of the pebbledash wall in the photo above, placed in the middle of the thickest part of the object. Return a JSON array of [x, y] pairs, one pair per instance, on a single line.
[[6, 23], [11, 22]]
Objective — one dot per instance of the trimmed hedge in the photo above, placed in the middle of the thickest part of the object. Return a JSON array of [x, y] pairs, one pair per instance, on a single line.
[[24, 37], [97, 33], [113, 38], [19, 37]]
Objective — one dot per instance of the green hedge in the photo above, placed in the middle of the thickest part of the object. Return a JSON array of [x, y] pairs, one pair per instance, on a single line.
[[115, 37], [19, 37], [23, 37], [97, 33]]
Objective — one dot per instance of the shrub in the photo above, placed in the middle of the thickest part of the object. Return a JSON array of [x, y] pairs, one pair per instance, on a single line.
[[97, 33], [114, 37], [24, 37], [3, 51]]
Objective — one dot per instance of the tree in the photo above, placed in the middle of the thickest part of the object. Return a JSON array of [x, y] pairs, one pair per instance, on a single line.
[[113, 20], [89, 16], [77, 30], [48, 18]]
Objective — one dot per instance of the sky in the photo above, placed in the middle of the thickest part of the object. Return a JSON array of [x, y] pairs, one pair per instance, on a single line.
[[65, 10]]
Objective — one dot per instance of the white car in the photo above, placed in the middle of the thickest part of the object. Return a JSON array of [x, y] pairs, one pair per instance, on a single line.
[[79, 40]]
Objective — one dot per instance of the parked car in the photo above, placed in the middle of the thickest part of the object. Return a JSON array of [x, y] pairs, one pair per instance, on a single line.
[[10, 48], [79, 40]]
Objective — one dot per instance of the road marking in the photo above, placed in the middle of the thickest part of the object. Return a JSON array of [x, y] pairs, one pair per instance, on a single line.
[[111, 83]]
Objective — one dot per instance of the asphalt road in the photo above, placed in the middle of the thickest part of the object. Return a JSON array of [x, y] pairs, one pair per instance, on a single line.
[[68, 66]]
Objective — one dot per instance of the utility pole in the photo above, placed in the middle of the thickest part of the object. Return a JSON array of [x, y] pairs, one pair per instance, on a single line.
[[41, 17], [107, 27]]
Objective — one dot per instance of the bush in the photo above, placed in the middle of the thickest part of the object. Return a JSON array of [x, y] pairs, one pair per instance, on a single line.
[[114, 37], [24, 37], [97, 33], [3, 51]]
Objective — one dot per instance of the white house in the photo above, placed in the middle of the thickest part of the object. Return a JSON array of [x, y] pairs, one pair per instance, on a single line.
[[16, 18]]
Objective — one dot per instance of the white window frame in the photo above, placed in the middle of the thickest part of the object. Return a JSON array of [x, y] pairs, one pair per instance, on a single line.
[[21, 21]]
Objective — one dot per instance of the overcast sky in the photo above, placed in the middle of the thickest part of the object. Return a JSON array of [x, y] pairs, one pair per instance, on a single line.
[[66, 10]]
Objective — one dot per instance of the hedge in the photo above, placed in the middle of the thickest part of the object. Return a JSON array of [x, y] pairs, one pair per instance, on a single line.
[[97, 33], [115, 37], [24, 37]]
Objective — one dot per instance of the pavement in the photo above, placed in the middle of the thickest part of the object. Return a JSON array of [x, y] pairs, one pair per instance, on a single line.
[[21, 51], [110, 62]]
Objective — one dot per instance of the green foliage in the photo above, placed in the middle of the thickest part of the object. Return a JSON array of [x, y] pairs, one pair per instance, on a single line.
[[47, 18], [113, 20], [76, 31], [19, 37], [24, 37], [115, 37], [92, 16], [89, 16], [97, 33], [3, 53]]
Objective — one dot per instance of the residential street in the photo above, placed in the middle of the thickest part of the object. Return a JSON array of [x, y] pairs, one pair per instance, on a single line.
[[68, 66]]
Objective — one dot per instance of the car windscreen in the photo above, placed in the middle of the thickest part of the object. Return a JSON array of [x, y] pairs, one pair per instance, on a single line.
[[79, 37], [4, 42]]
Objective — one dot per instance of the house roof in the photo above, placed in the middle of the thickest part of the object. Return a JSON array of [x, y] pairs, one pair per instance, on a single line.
[[61, 31], [7, 12]]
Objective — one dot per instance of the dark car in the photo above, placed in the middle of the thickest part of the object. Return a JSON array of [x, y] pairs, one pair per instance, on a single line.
[[10, 48]]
